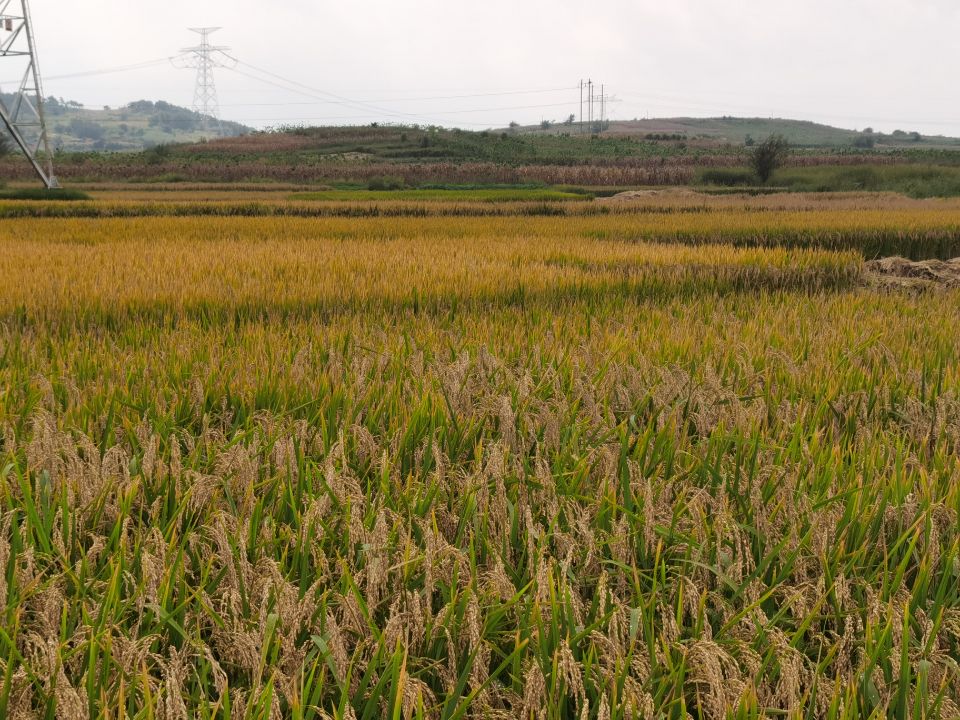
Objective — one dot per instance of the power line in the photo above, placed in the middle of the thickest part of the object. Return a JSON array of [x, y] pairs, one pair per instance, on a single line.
[[316, 92], [670, 100], [367, 106], [109, 71], [146, 64], [438, 112], [322, 97], [410, 99], [202, 58], [371, 110], [675, 101]]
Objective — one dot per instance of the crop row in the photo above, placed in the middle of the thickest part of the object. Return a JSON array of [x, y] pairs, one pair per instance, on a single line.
[[915, 232], [161, 268]]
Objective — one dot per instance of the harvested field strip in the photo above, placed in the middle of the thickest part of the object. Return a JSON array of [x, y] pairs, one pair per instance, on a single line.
[[454, 195]]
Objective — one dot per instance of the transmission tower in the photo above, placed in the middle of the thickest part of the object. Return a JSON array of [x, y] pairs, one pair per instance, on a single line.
[[202, 58], [21, 110]]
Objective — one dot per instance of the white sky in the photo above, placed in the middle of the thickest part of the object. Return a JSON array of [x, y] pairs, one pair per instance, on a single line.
[[853, 63]]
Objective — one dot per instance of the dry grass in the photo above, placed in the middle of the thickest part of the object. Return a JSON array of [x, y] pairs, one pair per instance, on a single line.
[[471, 467]]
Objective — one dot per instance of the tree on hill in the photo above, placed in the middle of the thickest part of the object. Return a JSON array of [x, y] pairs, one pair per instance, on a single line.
[[6, 146], [769, 155], [87, 129]]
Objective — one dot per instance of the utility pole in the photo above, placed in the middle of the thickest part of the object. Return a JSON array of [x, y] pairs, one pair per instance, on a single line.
[[581, 106], [22, 116], [205, 99], [603, 105], [590, 104], [596, 116]]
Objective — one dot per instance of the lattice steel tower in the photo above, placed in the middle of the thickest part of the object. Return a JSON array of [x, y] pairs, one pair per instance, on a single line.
[[205, 93], [21, 111]]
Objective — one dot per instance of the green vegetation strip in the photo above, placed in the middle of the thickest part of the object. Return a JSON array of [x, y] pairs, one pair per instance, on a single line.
[[912, 180], [58, 195]]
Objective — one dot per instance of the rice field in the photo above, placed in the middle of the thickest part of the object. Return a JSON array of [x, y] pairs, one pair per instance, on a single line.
[[672, 459]]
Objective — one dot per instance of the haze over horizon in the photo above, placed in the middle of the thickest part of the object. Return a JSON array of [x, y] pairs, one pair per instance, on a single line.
[[882, 64]]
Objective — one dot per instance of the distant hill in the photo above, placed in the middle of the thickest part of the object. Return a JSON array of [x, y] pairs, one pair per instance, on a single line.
[[740, 131], [626, 155], [137, 126], [143, 124]]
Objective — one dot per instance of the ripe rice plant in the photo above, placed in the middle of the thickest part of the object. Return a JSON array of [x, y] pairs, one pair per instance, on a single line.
[[164, 269], [914, 229], [450, 467]]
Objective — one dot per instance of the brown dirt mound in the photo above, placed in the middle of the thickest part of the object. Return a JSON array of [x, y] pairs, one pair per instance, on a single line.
[[641, 194], [903, 273]]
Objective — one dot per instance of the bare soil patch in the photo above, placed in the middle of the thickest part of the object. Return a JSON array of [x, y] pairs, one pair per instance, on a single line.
[[643, 194]]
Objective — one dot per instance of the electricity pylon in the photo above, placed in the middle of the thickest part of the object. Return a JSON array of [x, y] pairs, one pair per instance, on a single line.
[[201, 57], [22, 110]]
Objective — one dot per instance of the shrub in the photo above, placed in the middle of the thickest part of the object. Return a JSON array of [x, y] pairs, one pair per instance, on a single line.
[[768, 156], [728, 177], [86, 129], [386, 182], [43, 194], [157, 154]]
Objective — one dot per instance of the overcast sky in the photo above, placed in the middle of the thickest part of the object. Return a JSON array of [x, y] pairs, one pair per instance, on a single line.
[[854, 63]]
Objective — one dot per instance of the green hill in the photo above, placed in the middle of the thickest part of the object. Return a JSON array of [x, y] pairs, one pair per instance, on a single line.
[[739, 131], [136, 126], [144, 124]]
